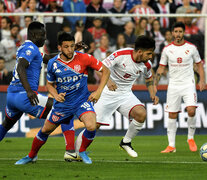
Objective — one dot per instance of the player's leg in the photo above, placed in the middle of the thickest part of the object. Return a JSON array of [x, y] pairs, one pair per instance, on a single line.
[[55, 118], [89, 120], [69, 135], [190, 99], [173, 107], [12, 114], [133, 109]]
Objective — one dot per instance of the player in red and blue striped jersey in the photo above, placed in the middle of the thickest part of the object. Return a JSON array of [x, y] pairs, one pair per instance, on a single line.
[[67, 82]]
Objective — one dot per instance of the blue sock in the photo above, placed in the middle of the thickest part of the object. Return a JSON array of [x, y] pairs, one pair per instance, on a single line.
[[66, 127], [3, 132], [41, 136], [89, 134]]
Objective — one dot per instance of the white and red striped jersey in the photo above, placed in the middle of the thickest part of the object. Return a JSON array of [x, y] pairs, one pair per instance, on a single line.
[[164, 21], [124, 69], [180, 60]]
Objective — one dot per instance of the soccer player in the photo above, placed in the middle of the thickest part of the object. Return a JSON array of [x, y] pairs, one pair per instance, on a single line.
[[180, 56], [22, 93], [126, 65], [67, 82]]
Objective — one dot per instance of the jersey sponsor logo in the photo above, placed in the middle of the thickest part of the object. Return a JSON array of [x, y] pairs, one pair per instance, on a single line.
[[69, 78], [179, 60], [55, 118], [77, 68], [28, 52], [187, 52]]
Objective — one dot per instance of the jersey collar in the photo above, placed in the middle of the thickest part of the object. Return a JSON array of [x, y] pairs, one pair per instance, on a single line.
[[177, 44]]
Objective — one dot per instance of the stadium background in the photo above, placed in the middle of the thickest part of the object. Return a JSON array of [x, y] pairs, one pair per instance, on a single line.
[[156, 117]]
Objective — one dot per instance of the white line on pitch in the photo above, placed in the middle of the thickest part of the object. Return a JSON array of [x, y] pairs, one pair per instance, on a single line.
[[116, 161]]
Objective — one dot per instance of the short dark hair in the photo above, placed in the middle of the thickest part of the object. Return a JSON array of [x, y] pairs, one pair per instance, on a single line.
[[144, 42], [35, 25], [178, 24], [64, 36], [15, 25], [2, 58]]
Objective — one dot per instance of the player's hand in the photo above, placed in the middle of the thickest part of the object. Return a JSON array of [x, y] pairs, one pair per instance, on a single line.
[[202, 85], [32, 98], [155, 99], [94, 97], [80, 45], [111, 85], [60, 97]]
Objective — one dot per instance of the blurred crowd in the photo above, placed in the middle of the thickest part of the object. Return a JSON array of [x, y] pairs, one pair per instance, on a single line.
[[102, 35]]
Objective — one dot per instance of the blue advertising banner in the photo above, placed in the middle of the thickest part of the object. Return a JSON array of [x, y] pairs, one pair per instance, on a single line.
[[155, 124]]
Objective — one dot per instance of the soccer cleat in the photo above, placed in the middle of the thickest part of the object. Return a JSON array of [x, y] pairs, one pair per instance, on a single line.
[[26, 160], [169, 149], [85, 157], [71, 156], [128, 148], [192, 145]]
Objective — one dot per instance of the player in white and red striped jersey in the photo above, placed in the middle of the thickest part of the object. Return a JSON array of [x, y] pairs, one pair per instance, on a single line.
[[180, 57], [126, 65]]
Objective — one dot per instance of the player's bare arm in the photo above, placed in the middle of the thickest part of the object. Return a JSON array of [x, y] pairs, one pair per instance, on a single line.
[[78, 46], [104, 78], [52, 90], [202, 76], [149, 84], [157, 77], [23, 64]]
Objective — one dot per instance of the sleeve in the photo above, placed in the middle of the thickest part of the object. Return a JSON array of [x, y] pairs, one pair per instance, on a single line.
[[110, 61], [196, 56], [164, 58], [50, 73], [148, 73], [94, 63], [29, 53]]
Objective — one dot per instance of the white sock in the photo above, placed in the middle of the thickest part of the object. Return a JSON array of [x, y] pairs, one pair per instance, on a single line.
[[134, 128], [171, 131], [78, 141], [191, 127]]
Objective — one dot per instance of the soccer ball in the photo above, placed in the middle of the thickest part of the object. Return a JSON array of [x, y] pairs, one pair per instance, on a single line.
[[203, 152]]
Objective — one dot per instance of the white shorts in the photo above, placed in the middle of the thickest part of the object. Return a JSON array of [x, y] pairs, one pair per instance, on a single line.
[[110, 101], [175, 94]]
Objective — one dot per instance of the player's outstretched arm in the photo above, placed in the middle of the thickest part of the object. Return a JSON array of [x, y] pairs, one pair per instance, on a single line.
[[149, 84], [202, 76], [21, 70], [104, 78]]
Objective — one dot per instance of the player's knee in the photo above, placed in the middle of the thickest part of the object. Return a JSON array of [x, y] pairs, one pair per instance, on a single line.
[[140, 116], [191, 112], [90, 126]]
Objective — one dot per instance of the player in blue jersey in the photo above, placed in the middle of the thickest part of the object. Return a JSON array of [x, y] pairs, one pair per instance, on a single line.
[[22, 93], [67, 82]]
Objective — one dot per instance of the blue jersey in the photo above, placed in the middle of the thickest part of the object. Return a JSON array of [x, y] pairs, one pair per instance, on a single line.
[[31, 53], [71, 77]]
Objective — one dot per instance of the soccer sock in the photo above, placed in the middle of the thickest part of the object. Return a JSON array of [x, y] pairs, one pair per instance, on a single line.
[[37, 143], [69, 135], [3, 132], [171, 131], [87, 139], [191, 127], [134, 128]]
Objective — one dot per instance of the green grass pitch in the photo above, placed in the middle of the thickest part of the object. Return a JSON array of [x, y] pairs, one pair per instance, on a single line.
[[109, 162]]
